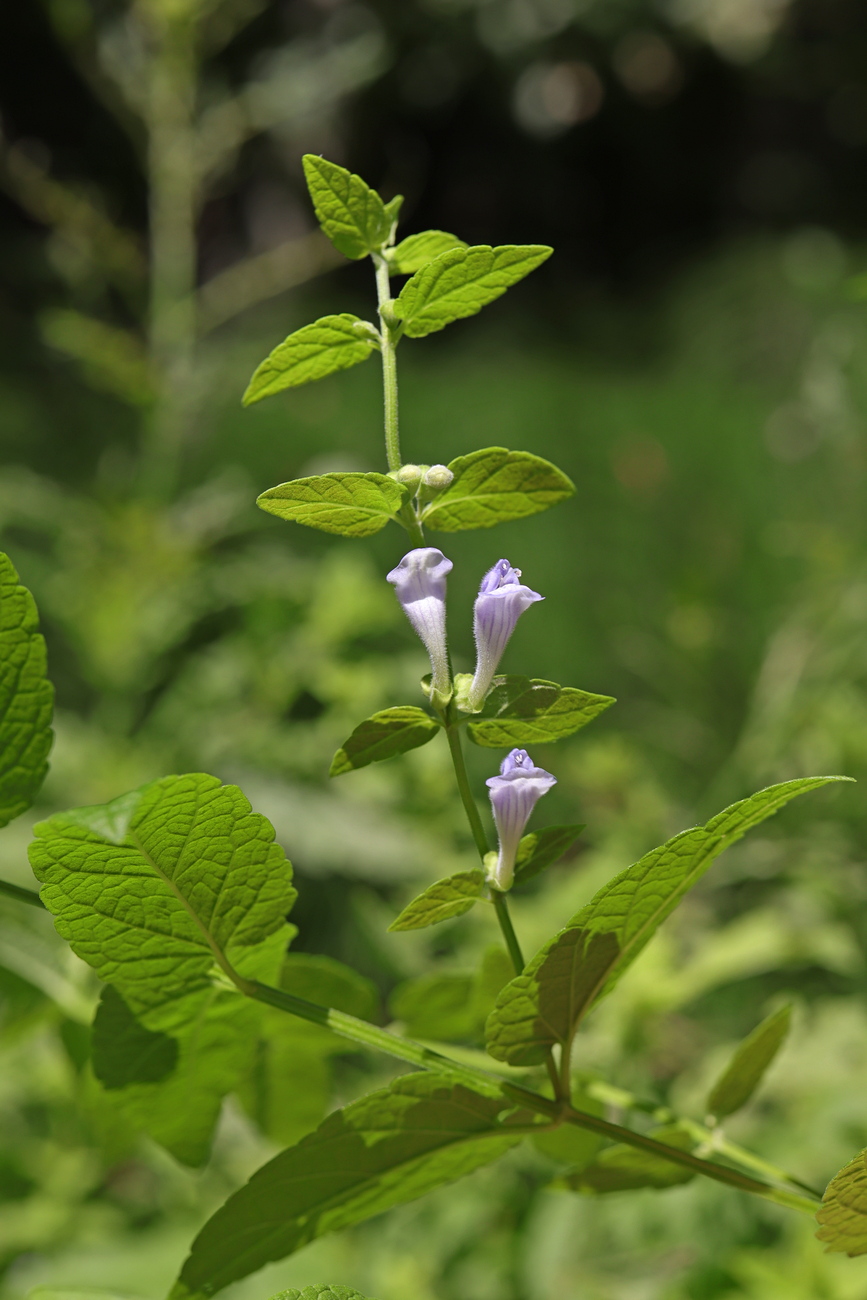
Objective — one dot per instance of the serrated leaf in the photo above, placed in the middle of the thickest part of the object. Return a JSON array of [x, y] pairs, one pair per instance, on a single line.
[[532, 711], [330, 344], [582, 963], [744, 1072], [461, 281], [442, 900], [160, 887], [384, 735], [352, 215], [348, 504], [383, 1150], [414, 252], [541, 849], [26, 697], [123, 1051], [623, 1168], [843, 1216], [319, 1291], [494, 485]]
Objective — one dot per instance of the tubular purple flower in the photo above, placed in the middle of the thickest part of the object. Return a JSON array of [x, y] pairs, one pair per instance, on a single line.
[[514, 794], [501, 601], [420, 583]]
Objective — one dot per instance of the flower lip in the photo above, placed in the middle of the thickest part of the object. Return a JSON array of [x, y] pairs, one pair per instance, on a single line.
[[501, 575]]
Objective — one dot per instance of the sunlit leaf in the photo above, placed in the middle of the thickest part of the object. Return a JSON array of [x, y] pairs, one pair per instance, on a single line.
[[352, 215], [332, 343], [843, 1216], [494, 485], [744, 1072], [384, 735], [26, 698], [414, 252], [531, 711], [461, 281], [349, 504], [442, 900]]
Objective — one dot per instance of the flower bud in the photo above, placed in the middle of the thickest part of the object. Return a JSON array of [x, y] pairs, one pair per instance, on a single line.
[[501, 601], [420, 583], [409, 475], [514, 794], [438, 477]]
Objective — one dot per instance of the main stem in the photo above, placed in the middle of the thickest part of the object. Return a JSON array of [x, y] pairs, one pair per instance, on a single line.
[[389, 365]]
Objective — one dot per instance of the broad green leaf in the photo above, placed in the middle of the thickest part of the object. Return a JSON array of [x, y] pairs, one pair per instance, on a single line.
[[332, 343], [352, 215], [461, 281], [531, 711], [320, 1291], [493, 486], [123, 1051], [163, 886], [541, 849], [843, 1216], [385, 1149], [349, 504], [26, 698], [416, 251], [744, 1072], [442, 900], [583, 962], [623, 1168], [384, 735]]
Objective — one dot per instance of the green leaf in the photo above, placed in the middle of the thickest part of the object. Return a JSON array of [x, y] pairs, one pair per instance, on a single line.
[[744, 1072], [349, 504], [320, 1291], [392, 210], [163, 886], [531, 711], [493, 486], [843, 1216], [384, 735], [416, 251], [623, 1168], [583, 962], [26, 698], [385, 1149], [542, 849], [352, 215], [442, 900], [461, 281], [568, 1144], [332, 343], [123, 1051], [435, 1006]]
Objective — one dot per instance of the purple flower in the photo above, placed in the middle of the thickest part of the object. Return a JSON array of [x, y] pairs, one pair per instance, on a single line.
[[420, 583], [514, 795], [501, 601]]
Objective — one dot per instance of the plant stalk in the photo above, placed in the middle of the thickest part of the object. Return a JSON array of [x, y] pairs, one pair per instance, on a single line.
[[23, 895], [389, 365]]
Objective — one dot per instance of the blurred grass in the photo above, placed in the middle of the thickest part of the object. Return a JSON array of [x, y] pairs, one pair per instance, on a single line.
[[709, 573]]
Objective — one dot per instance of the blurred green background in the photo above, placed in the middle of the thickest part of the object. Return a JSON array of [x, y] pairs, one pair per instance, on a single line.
[[694, 356]]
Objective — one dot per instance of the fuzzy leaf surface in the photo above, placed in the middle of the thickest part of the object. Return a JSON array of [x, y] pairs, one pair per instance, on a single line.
[[384, 735], [532, 711], [494, 485], [461, 281], [351, 214], [745, 1070], [622, 1168], [540, 849], [385, 1149], [26, 697], [444, 899], [330, 344], [414, 252], [583, 962], [349, 504], [843, 1216]]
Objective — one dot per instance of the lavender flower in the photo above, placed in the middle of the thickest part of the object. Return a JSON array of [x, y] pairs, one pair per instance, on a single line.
[[420, 583], [501, 601], [514, 795]]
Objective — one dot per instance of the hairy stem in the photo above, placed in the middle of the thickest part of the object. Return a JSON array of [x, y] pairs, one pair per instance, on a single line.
[[389, 365], [464, 789]]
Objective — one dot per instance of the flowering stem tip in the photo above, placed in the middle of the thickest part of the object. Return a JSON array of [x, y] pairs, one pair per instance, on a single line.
[[420, 583], [514, 794], [501, 601]]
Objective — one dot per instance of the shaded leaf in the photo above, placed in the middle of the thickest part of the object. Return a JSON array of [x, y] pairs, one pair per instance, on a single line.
[[541, 849], [352, 215], [123, 1051], [384, 735], [531, 711], [461, 281], [26, 697], [442, 900], [494, 485], [435, 1006], [414, 252], [350, 504], [332, 343], [623, 1168], [568, 1144], [744, 1072], [843, 1216], [385, 1149], [583, 962]]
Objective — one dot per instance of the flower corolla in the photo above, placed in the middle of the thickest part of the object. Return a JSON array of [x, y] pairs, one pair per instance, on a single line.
[[420, 583], [501, 601], [514, 794]]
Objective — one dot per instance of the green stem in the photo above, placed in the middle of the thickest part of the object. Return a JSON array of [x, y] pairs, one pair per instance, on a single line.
[[389, 365], [23, 895], [454, 738], [501, 907]]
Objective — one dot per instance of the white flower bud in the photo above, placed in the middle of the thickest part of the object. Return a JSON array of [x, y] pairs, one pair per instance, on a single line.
[[438, 477]]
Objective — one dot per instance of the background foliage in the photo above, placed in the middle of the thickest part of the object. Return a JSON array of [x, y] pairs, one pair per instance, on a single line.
[[693, 357]]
